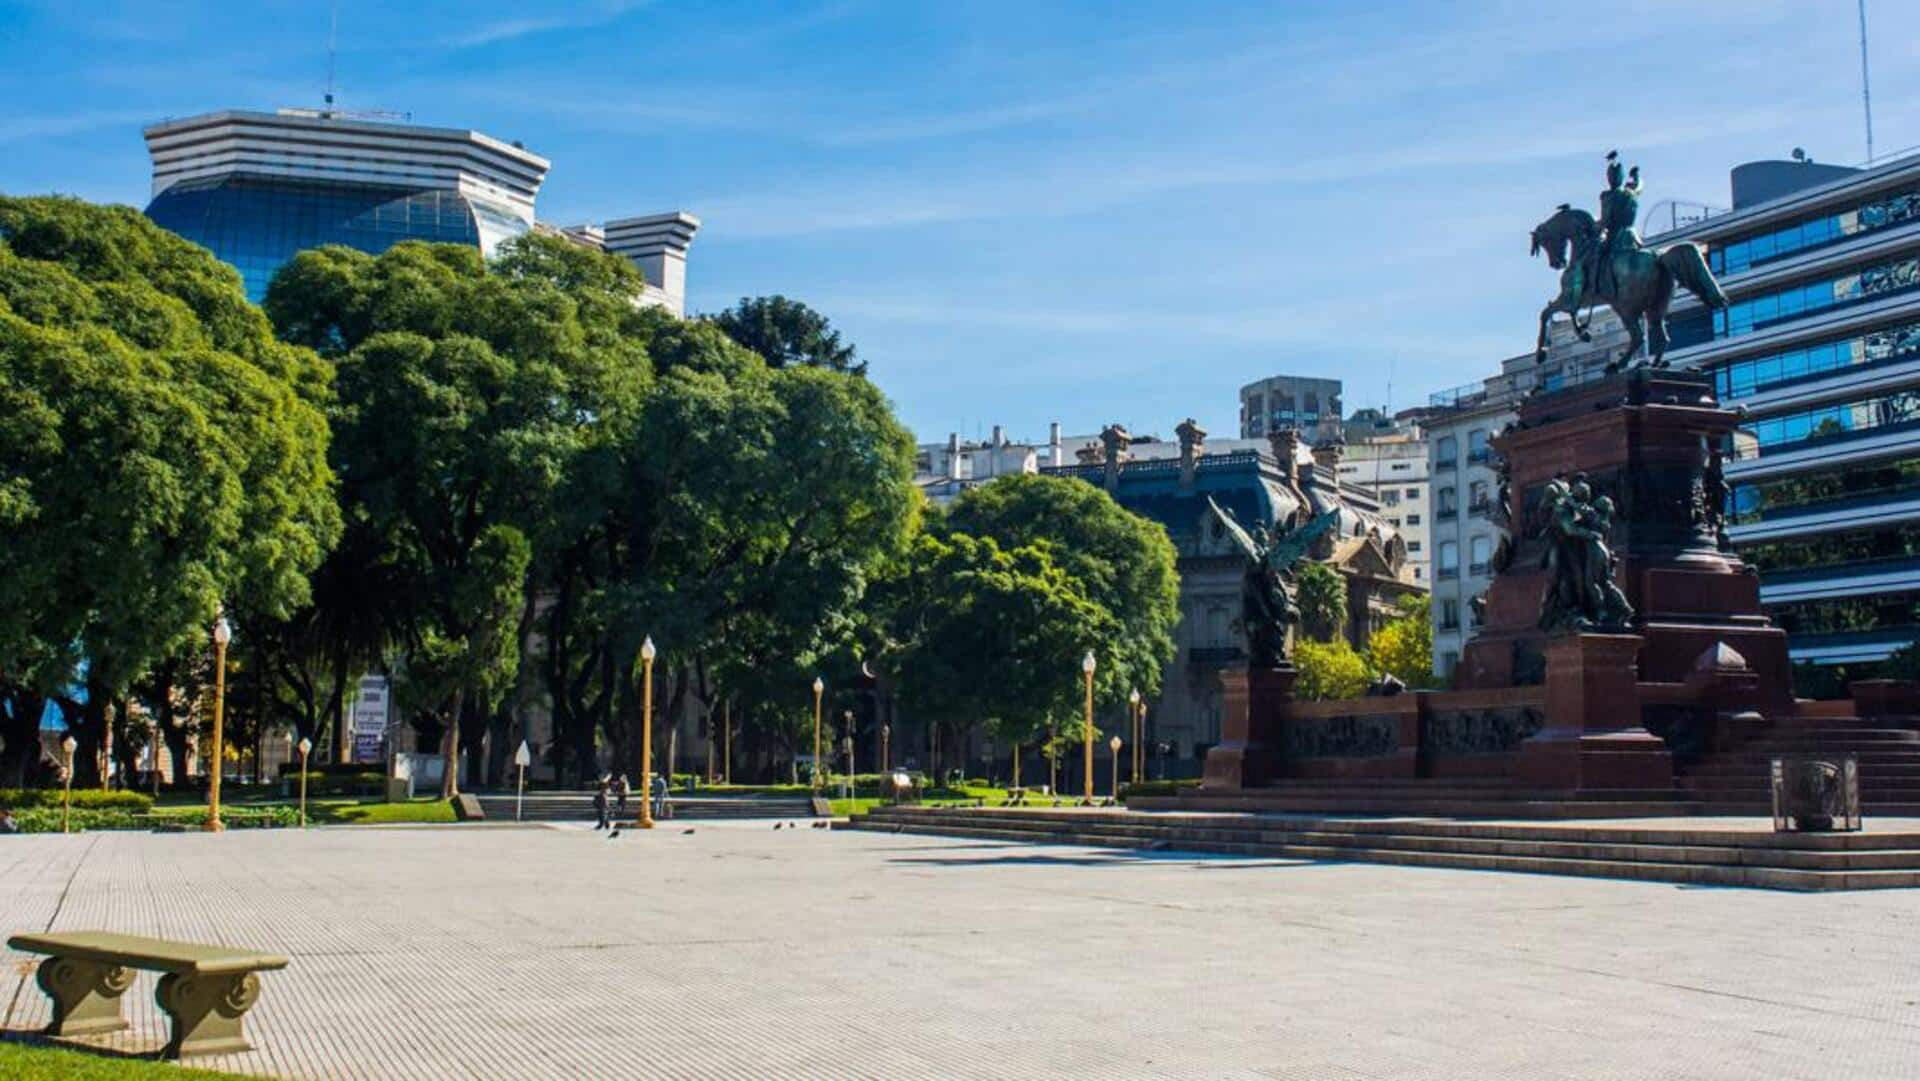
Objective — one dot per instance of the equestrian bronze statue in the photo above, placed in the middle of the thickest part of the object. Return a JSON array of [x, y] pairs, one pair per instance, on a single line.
[[1609, 264]]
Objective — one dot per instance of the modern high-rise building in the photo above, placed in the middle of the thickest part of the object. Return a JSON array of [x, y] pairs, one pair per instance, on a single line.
[[1821, 344], [258, 188], [1387, 457], [1307, 405]]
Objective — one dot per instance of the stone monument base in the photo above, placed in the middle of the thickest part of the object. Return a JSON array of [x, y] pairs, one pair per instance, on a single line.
[[1593, 737], [1253, 705]]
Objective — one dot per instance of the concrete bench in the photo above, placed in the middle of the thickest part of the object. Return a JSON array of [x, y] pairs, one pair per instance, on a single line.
[[205, 991]]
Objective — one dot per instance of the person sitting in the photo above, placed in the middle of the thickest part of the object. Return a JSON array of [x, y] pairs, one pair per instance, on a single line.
[[8, 824]]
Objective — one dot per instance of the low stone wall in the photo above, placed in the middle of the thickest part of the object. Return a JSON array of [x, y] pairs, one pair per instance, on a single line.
[[1410, 735]]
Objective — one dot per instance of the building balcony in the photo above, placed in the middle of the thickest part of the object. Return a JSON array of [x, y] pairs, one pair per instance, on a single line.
[[1446, 514], [1480, 509], [1478, 570], [1862, 577], [1851, 647], [1446, 573], [1444, 465], [1479, 457]]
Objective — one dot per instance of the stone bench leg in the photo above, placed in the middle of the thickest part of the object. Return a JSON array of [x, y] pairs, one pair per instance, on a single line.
[[205, 1012], [85, 994]]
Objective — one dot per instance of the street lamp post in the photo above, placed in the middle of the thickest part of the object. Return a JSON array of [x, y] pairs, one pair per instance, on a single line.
[[647, 654], [846, 786], [819, 686], [1086, 734], [306, 747], [886, 730], [66, 797], [1114, 744], [222, 634], [153, 755], [522, 758], [1133, 730]]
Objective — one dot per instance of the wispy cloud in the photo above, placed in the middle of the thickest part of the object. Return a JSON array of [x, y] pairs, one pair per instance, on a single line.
[[500, 30], [16, 127]]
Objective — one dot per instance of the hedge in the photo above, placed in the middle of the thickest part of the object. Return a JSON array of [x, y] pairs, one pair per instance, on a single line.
[[92, 798], [47, 819]]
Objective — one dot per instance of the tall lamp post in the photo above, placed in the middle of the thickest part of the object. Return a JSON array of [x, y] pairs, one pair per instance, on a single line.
[[819, 686], [886, 730], [306, 747], [222, 634], [522, 758], [1086, 734], [153, 754], [66, 797], [1133, 731], [647, 654], [1114, 744]]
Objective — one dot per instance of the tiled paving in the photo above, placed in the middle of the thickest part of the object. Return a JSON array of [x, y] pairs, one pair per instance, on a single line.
[[738, 951]]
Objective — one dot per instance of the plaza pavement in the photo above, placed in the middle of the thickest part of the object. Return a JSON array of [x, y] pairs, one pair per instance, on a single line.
[[738, 951]]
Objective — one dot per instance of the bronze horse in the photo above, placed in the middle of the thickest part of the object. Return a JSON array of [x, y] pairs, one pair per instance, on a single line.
[[1639, 285]]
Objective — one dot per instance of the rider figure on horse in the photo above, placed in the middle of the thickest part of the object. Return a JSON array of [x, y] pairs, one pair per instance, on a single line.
[[1619, 210]]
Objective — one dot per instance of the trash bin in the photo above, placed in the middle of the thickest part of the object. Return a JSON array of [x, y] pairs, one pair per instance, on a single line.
[[1816, 793]]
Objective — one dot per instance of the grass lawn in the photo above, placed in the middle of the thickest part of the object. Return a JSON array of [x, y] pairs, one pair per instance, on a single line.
[[350, 812], [23, 1062]]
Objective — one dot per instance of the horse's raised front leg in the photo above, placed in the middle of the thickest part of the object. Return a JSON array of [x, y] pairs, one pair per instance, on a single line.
[[1546, 317]]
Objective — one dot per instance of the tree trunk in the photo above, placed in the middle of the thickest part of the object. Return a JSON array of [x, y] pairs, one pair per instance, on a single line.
[[20, 711], [450, 748]]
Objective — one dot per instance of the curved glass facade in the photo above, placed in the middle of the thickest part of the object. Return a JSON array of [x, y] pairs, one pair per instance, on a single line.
[[258, 224]]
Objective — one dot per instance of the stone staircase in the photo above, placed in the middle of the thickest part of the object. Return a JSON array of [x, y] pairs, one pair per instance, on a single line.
[[578, 807], [1704, 855], [1489, 797], [1738, 781]]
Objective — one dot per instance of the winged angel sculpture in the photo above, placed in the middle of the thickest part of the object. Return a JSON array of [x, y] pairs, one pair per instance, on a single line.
[[1267, 608]]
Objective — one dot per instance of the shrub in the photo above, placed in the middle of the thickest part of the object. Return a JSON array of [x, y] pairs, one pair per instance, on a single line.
[[47, 819], [1328, 670], [91, 798]]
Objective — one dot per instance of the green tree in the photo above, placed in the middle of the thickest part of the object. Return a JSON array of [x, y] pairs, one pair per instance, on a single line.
[[1329, 670], [1322, 593], [1122, 561], [160, 452], [787, 334], [1404, 647], [470, 398], [978, 633]]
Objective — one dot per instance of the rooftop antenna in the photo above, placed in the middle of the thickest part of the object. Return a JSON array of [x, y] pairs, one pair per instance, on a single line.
[[333, 43], [1866, 90]]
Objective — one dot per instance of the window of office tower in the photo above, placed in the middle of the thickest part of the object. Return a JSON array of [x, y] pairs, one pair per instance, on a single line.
[[1753, 313], [1780, 241]]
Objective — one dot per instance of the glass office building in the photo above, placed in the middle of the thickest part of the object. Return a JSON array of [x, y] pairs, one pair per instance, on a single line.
[[258, 188], [1820, 343]]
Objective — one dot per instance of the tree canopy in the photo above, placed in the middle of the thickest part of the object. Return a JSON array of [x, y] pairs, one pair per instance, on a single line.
[[160, 451], [788, 334], [1125, 564]]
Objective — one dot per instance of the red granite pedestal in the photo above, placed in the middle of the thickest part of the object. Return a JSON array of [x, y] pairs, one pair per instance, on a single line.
[[1647, 440], [1253, 705], [1593, 737]]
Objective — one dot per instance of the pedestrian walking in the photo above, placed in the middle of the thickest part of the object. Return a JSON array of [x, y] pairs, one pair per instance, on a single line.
[[622, 791], [600, 806]]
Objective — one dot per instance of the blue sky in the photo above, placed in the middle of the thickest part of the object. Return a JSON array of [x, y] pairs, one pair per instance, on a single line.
[[1046, 210]]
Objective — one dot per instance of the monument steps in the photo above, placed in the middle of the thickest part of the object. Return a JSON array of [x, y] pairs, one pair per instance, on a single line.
[[1700, 856], [1466, 798]]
